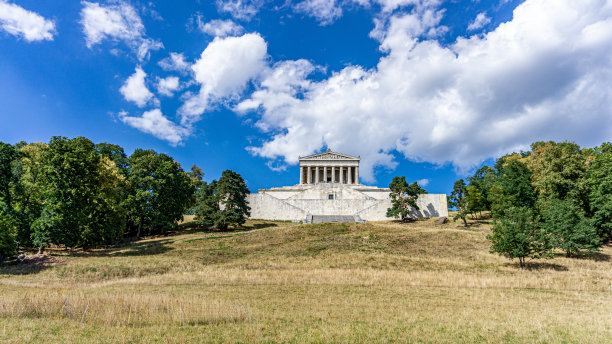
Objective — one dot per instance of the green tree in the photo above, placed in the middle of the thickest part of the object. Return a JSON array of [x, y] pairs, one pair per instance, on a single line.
[[517, 235], [476, 202], [160, 192], [512, 188], [403, 198], [116, 154], [483, 179], [570, 231], [207, 205], [9, 155], [8, 245], [599, 183], [232, 193], [458, 200], [558, 170]]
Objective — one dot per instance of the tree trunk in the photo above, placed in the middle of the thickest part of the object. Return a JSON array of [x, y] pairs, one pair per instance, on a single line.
[[522, 262], [41, 248], [139, 228], [465, 221]]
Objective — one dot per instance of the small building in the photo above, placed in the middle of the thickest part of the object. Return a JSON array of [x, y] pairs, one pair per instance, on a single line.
[[329, 191]]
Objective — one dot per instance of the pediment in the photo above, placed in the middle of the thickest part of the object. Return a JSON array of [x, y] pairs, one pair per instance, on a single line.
[[329, 155]]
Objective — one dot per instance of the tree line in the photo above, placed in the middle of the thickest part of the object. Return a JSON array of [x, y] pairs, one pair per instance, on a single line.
[[74, 193], [556, 196]]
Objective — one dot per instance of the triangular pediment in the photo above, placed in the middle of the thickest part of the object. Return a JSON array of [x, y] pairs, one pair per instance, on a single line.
[[329, 155]]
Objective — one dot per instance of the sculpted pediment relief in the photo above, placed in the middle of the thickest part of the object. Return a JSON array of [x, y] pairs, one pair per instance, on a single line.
[[329, 156]]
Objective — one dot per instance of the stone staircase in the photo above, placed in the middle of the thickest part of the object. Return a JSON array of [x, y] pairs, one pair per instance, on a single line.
[[333, 219]]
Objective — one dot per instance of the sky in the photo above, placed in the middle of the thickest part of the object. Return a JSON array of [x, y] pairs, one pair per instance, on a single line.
[[427, 89]]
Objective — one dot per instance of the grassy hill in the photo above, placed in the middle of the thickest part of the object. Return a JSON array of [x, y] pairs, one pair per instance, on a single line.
[[285, 282]]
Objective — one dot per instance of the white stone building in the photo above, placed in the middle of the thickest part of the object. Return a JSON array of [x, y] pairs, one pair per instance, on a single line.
[[329, 190]]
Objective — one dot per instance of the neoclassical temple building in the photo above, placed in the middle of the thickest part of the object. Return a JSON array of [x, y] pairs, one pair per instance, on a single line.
[[329, 191]]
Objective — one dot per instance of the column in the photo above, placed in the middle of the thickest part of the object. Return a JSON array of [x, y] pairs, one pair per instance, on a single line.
[[341, 175], [301, 175], [308, 173], [356, 174], [350, 175], [324, 174], [317, 175], [333, 174]]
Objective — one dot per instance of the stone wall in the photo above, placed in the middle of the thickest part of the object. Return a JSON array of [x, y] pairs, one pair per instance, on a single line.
[[370, 203]]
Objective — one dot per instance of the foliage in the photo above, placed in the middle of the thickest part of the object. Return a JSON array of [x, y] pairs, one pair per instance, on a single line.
[[517, 235], [8, 245], [403, 198], [476, 202], [599, 183], [558, 170], [458, 200], [569, 229], [160, 192], [482, 181], [512, 188], [223, 203]]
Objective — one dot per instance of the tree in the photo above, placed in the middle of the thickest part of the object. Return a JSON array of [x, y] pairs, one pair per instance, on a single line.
[[207, 205], [223, 203], [476, 202], [570, 231], [8, 156], [116, 154], [159, 194], [558, 171], [232, 193], [482, 180], [517, 235], [512, 187], [8, 245], [599, 183], [403, 198], [458, 200]]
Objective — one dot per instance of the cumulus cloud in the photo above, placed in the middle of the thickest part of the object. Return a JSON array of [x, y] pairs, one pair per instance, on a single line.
[[167, 86], [117, 22], [175, 62], [546, 74], [223, 71], [220, 28], [135, 90], [25, 24], [423, 182], [155, 123], [240, 9], [324, 11], [479, 22]]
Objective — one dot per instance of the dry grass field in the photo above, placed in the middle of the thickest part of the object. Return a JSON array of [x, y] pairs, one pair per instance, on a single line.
[[285, 282]]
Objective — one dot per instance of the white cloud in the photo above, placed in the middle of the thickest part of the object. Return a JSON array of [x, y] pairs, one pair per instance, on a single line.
[[117, 22], [423, 182], [240, 9], [223, 70], [155, 123], [479, 22], [546, 74], [175, 62], [135, 90], [220, 28], [167, 86], [20, 22], [325, 11]]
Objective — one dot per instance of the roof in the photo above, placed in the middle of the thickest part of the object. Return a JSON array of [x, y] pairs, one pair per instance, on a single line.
[[329, 155]]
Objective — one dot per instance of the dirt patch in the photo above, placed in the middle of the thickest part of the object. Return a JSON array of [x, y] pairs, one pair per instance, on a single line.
[[43, 260]]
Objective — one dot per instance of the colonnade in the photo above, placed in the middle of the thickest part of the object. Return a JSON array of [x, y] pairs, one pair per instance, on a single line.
[[329, 174]]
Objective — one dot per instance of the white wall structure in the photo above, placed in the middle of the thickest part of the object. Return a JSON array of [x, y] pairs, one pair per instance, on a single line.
[[329, 185]]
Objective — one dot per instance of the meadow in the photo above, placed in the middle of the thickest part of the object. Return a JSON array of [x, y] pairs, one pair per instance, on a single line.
[[287, 282]]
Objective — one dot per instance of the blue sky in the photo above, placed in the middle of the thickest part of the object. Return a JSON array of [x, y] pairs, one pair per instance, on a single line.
[[428, 89]]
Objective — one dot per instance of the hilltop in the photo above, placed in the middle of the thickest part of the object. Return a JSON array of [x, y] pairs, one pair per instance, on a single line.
[[287, 282]]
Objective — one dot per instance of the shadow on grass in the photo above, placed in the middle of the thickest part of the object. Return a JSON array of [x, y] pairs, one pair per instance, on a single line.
[[537, 266], [594, 256], [32, 264]]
